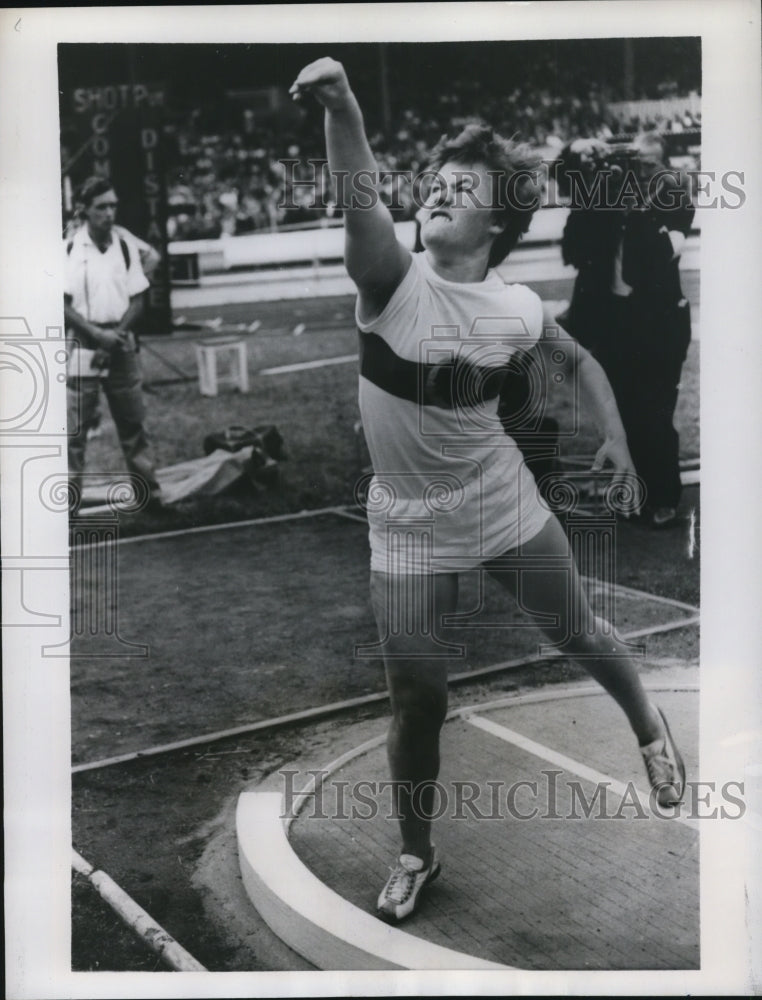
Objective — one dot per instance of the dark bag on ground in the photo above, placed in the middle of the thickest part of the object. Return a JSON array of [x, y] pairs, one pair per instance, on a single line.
[[266, 445]]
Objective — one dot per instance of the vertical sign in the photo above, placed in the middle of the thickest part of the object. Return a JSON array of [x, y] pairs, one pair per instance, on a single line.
[[120, 131]]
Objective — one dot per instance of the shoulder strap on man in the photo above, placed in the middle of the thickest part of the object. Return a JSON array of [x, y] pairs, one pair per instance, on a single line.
[[122, 244], [125, 252]]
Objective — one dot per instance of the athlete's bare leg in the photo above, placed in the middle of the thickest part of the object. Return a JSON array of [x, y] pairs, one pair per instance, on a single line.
[[406, 607], [603, 655]]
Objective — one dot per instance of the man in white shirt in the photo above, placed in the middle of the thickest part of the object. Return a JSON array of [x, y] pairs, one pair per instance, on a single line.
[[103, 296]]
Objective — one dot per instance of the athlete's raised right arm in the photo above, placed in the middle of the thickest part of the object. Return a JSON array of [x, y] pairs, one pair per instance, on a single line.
[[375, 260]]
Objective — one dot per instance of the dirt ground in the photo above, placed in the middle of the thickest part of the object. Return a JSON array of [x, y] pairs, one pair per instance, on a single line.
[[147, 822]]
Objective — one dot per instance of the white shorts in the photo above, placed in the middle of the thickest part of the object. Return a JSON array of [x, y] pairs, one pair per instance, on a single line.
[[453, 526]]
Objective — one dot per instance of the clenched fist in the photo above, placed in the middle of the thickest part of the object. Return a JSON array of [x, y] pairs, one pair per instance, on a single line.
[[326, 79]]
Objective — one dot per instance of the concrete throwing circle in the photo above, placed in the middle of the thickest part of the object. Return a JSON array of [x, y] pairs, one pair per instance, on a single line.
[[553, 857]]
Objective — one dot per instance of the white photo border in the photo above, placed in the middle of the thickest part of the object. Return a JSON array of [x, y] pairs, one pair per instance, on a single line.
[[36, 692]]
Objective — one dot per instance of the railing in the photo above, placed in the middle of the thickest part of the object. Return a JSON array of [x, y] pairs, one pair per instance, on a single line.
[[313, 245]]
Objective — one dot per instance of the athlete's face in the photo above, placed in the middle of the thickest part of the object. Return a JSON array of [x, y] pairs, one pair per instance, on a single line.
[[457, 213], [101, 213]]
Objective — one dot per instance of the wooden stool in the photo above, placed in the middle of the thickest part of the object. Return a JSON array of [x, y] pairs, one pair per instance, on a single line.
[[206, 358]]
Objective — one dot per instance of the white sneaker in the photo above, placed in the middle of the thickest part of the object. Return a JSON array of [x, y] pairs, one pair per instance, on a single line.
[[665, 767], [399, 897]]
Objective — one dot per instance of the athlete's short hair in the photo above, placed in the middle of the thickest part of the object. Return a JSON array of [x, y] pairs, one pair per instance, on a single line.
[[92, 188], [516, 179]]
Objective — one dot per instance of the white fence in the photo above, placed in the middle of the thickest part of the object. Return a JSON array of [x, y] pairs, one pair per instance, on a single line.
[[311, 246], [193, 259]]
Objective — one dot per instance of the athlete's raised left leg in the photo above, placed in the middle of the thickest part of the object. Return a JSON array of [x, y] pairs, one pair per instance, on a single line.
[[558, 594]]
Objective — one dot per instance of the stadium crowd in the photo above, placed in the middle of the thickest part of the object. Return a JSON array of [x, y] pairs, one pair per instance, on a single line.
[[234, 182]]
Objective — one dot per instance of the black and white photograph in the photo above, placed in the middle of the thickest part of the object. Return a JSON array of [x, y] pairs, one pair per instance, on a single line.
[[379, 460]]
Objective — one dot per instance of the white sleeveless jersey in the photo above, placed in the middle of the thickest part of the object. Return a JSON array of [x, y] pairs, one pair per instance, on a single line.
[[450, 488]]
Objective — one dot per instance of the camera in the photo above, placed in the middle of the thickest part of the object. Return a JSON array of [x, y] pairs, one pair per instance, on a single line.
[[619, 157], [583, 160]]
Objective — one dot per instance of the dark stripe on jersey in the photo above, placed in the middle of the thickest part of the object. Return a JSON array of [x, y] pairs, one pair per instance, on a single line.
[[449, 385]]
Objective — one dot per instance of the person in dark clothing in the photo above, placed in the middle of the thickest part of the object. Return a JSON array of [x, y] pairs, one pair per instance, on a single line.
[[591, 235], [628, 307]]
